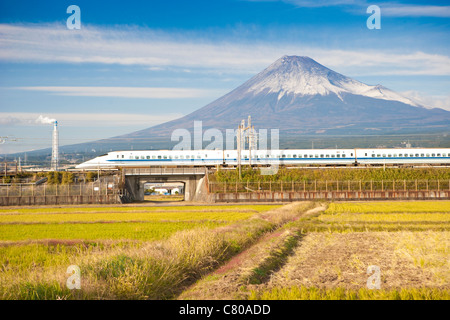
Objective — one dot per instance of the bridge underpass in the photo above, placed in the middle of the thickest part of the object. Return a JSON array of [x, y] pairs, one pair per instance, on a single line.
[[193, 180]]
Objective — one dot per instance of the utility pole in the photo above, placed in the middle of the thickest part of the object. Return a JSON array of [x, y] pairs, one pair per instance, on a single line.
[[241, 141], [239, 145]]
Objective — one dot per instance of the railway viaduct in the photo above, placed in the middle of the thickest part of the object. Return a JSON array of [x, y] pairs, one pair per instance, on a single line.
[[194, 180]]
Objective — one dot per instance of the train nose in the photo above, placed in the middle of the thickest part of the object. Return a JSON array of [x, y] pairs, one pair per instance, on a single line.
[[91, 164]]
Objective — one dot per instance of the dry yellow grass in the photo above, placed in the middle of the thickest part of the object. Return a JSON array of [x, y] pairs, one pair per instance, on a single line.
[[406, 259]]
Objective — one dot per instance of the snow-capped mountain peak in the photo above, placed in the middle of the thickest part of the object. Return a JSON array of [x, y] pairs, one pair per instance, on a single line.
[[303, 76]]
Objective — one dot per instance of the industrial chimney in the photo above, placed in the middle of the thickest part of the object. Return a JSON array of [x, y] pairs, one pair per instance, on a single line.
[[55, 147]]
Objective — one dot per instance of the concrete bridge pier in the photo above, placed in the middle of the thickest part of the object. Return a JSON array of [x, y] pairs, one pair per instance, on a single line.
[[193, 180]]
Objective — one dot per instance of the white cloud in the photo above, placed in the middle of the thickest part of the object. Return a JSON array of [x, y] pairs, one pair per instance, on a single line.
[[147, 48], [89, 119], [126, 92], [442, 101], [44, 120], [415, 11], [392, 9]]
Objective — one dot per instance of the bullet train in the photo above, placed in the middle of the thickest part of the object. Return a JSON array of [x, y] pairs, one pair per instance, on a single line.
[[325, 157]]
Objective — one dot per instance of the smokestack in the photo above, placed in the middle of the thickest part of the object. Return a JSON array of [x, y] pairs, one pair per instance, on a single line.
[[55, 147]]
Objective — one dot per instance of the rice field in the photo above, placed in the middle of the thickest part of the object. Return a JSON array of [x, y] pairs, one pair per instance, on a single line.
[[390, 207], [116, 223], [123, 252], [157, 252], [408, 241]]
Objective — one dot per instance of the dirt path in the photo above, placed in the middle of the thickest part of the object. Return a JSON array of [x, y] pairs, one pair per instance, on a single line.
[[252, 266]]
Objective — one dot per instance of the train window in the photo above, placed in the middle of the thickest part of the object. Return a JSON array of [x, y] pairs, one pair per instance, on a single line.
[[389, 155], [332, 155], [165, 157], [294, 156], [405, 155], [206, 156], [123, 156], [422, 155], [433, 155], [378, 155], [176, 157], [373, 156], [153, 157], [117, 156], [316, 155], [305, 156], [395, 155], [351, 154], [321, 155], [289, 156], [267, 156], [199, 157], [365, 154], [343, 155], [136, 157], [283, 156], [148, 157], [159, 157], [438, 154], [400, 155], [338, 156], [417, 154], [411, 155], [428, 154]]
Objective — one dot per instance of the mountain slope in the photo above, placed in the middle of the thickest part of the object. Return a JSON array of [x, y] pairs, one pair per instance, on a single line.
[[301, 98], [298, 95]]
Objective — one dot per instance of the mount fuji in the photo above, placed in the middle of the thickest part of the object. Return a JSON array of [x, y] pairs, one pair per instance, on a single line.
[[299, 95], [301, 98]]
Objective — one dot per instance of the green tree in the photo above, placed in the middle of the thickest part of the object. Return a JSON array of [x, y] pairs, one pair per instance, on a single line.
[[67, 178], [90, 176]]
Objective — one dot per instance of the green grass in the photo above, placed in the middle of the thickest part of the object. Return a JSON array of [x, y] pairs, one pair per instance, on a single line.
[[313, 293], [98, 231], [151, 216], [390, 207], [156, 269], [124, 209], [333, 174], [392, 217]]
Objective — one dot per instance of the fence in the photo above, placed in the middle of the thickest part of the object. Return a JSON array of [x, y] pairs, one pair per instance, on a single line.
[[329, 186], [31, 194]]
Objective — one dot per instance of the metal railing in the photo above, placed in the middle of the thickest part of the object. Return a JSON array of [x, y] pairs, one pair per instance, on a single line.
[[329, 186], [32, 190], [164, 171]]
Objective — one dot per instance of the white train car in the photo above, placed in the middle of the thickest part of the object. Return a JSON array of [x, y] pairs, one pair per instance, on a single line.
[[403, 156], [329, 157]]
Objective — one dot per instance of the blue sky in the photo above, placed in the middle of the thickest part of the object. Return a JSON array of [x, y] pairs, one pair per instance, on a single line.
[[134, 64]]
